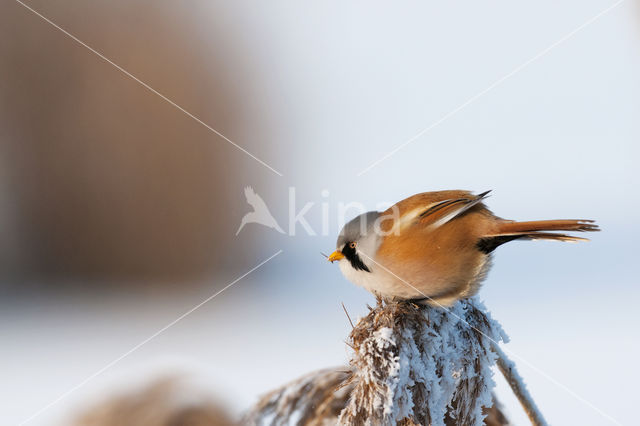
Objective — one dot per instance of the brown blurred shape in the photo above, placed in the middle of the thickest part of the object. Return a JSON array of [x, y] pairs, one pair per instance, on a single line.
[[100, 177], [162, 403]]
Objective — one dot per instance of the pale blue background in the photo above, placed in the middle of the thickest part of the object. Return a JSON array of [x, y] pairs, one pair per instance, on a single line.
[[327, 89]]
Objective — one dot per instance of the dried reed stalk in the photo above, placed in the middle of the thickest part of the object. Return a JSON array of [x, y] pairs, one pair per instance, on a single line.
[[508, 370], [411, 365], [422, 365], [312, 400]]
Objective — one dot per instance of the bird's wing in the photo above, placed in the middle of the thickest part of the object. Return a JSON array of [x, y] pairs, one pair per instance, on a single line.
[[254, 199], [443, 211], [434, 209]]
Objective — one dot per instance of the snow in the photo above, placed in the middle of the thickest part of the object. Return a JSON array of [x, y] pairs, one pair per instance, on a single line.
[[410, 365], [429, 363]]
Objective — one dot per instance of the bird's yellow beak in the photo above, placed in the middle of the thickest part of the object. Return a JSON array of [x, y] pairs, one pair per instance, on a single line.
[[336, 255]]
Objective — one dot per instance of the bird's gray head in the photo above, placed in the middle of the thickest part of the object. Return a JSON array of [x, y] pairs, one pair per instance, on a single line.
[[358, 241]]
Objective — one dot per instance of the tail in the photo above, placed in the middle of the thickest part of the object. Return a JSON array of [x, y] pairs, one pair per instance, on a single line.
[[508, 231]]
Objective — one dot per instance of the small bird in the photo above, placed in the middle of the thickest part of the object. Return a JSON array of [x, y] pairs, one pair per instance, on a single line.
[[434, 247], [260, 213]]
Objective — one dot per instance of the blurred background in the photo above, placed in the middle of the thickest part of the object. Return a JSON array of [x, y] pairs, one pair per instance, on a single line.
[[118, 212]]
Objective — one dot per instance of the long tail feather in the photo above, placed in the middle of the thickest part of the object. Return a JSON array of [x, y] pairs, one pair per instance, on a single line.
[[509, 231], [579, 225], [549, 236]]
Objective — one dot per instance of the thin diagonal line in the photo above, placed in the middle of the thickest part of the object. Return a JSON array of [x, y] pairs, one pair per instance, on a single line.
[[145, 341], [146, 86], [539, 371], [491, 87]]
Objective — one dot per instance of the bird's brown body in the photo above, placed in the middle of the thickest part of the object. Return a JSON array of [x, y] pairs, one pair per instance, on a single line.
[[436, 246], [446, 257]]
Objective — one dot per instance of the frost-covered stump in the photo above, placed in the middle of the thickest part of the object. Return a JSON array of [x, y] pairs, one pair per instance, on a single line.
[[423, 365]]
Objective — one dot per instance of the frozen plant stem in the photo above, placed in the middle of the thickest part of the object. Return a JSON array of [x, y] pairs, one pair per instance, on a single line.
[[508, 370], [411, 365], [422, 365]]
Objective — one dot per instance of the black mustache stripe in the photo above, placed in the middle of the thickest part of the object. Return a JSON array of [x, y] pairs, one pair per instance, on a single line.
[[358, 264], [353, 258]]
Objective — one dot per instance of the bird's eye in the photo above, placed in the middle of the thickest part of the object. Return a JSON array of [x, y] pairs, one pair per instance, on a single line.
[[352, 245]]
